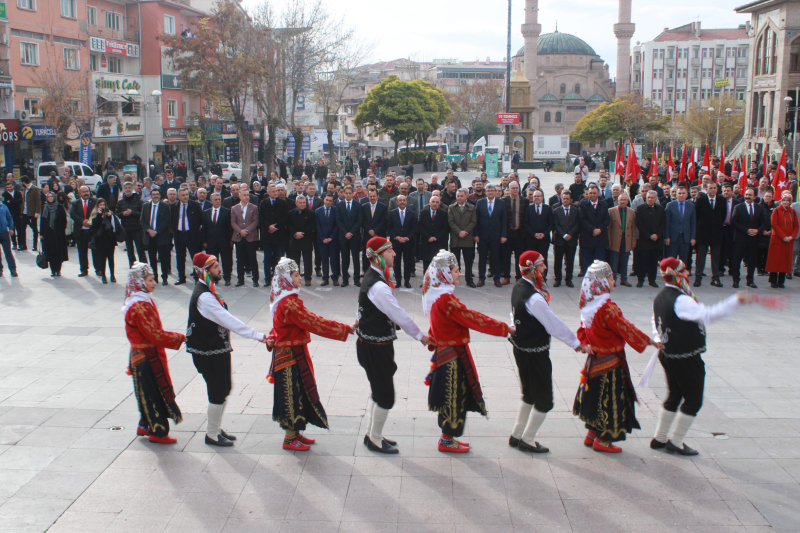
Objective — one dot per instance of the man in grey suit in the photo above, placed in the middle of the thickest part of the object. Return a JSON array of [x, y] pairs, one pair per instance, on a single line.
[[566, 228], [681, 226], [462, 219]]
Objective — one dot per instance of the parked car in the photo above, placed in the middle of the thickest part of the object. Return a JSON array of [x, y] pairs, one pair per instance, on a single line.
[[231, 169], [80, 170]]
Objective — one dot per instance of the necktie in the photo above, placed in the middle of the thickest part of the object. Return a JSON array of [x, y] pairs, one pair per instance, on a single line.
[[184, 220], [152, 216], [712, 204], [680, 204], [567, 212], [215, 217], [514, 211], [751, 211], [491, 206], [433, 216], [84, 209], [372, 209], [348, 209], [327, 214], [595, 206], [538, 210], [402, 217], [272, 202]]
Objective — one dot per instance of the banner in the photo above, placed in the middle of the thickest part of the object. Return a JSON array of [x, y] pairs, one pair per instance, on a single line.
[[86, 148]]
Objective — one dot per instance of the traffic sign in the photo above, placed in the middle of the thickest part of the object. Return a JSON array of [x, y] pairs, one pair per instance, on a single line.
[[725, 82]]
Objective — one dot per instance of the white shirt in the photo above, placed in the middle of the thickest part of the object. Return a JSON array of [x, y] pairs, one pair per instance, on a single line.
[[211, 309], [381, 295], [687, 309], [538, 308]]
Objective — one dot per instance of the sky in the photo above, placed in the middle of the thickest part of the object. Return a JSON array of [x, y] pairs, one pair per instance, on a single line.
[[424, 30]]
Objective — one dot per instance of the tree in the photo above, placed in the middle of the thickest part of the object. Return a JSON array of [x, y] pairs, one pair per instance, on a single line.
[[701, 125], [218, 64], [628, 116], [436, 108], [474, 109]]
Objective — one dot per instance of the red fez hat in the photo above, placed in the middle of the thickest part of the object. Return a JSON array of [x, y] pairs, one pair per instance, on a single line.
[[670, 262], [530, 256], [376, 243]]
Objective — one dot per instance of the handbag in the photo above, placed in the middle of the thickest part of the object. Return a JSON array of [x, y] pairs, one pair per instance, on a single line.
[[41, 260], [119, 232]]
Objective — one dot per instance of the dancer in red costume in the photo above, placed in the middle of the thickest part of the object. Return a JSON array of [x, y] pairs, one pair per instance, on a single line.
[[453, 380], [605, 398], [296, 400], [152, 384]]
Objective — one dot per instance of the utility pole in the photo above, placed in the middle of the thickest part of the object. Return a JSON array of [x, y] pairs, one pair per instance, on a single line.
[[508, 77]]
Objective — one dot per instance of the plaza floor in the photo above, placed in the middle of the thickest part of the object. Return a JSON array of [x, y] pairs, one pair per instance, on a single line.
[[70, 460]]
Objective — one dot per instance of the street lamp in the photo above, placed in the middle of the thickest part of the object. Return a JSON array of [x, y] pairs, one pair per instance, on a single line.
[[727, 113], [794, 108]]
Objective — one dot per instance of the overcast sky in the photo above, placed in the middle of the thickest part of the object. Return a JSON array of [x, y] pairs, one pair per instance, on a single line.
[[471, 29]]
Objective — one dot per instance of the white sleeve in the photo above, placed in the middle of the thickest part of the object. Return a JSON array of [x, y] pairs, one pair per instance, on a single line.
[[687, 309], [381, 295], [656, 336], [537, 306], [210, 308]]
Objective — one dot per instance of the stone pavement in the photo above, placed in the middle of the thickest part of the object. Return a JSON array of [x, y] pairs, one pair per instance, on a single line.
[[63, 391]]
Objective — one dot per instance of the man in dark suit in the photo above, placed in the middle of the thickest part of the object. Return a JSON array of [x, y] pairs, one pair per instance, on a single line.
[[314, 202], [566, 228], [556, 198], [186, 221], [349, 216], [490, 234], [109, 191], [202, 199], [217, 232], [748, 220], [375, 215], [402, 225], [433, 230], [80, 212], [155, 234], [681, 227], [710, 210], [171, 182], [650, 222], [302, 229], [539, 226], [260, 178], [272, 218], [516, 209], [594, 228], [328, 240], [730, 202]]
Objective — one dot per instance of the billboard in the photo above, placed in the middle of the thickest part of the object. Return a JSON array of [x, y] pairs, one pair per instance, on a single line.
[[507, 119]]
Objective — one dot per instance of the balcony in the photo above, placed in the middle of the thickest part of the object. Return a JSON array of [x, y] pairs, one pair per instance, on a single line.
[[107, 33], [669, 82], [742, 61], [761, 132], [719, 61], [694, 81], [695, 61], [670, 62], [636, 85]]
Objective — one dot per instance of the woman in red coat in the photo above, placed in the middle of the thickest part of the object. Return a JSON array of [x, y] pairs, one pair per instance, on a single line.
[[152, 384], [296, 398], [453, 379], [781, 242]]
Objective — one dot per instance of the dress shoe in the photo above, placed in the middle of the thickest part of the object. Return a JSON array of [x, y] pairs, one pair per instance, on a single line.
[[685, 450], [624, 283], [773, 285], [385, 447], [113, 279], [762, 273], [324, 283], [239, 283], [255, 283], [35, 249], [557, 283], [471, 284], [640, 285], [506, 281], [513, 441], [581, 274], [390, 441], [15, 275], [227, 435], [357, 283], [335, 283], [780, 285], [407, 285], [318, 272], [716, 283], [653, 284], [180, 282], [163, 440], [605, 447], [569, 284], [497, 283], [164, 283], [481, 283], [295, 445], [696, 283], [735, 285], [345, 284], [227, 283], [535, 447], [221, 441], [752, 285], [83, 274], [53, 274], [308, 283], [657, 445], [104, 280]]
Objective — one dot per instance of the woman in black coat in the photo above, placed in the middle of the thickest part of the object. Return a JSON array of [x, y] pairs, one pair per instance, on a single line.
[[105, 225], [53, 232]]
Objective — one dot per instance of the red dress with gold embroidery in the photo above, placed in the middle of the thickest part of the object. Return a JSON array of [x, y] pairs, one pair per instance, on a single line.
[[296, 399], [454, 384]]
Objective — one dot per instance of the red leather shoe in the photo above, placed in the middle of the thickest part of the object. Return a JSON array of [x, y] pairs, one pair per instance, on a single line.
[[141, 432], [305, 440], [163, 440], [606, 447], [455, 448], [295, 446], [589, 439]]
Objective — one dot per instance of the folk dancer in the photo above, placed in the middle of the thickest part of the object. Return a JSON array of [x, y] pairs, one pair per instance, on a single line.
[[152, 384], [535, 322], [208, 339], [378, 312], [605, 398], [453, 378], [296, 399]]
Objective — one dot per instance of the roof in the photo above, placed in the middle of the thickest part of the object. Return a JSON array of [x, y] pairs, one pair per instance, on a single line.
[[572, 96], [681, 34], [596, 98], [549, 98], [755, 6], [560, 43]]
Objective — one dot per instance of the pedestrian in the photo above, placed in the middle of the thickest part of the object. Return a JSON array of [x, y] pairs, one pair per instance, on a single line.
[[454, 385], [566, 229], [349, 217], [784, 230], [12, 199], [296, 400], [6, 235], [53, 234], [152, 384], [129, 211], [244, 220], [402, 224], [462, 219], [748, 222], [650, 222], [104, 227], [490, 233], [29, 215], [621, 238], [302, 233]]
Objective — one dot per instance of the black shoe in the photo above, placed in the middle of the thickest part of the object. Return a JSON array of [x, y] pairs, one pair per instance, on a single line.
[[752, 285], [471, 284], [345, 284], [407, 285], [53, 274], [357, 283], [385, 447], [15, 275], [113, 279], [640, 285], [35, 249], [255, 283], [557, 283], [239, 283], [83, 274], [569, 284], [535, 447], [653, 284], [318, 272], [226, 435], [413, 274], [788, 276], [671, 448], [657, 445], [390, 441], [735, 285], [180, 282], [227, 283], [697, 282], [581, 274], [773, 285], [513, 441], [165, 283], [221, 441], [104, 280]]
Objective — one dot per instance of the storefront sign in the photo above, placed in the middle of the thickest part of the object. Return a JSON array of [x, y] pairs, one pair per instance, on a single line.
[[117, 48], [6, 83], [168, 81], [228, 127], [175, 135], [117, 127], [195, 136], [86, 148], [9, 131], [37, 132], [116, 84], [2, 10]]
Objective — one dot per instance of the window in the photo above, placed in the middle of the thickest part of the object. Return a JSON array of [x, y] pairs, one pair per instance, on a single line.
[[547, 61], [670, 74], [33, 106], [681, 94], [26, 4], [114, 64], [717, 73], [169, 24], [661, 54], [657, 94], [183, 111], [71, 59], [172, 108], [696, 53], [658, 74], [68, 9], [93, 62], [719, 52], [636, 79], [729, 72], [694, 93], [671, 53], [29, 53], [794, 61], [669, 94], [743, 52], [547, 116], [577, 88], [740, 96], [706, 72], [563, 88], [681, 73], [113, 20], [131, 109], [694, 73], [705, 52], [91, 15], [558, 116]]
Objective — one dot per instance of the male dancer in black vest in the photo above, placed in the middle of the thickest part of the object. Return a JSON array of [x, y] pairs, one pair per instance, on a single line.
[[208, 339], [535, 322], [378, 312], [679, 322]]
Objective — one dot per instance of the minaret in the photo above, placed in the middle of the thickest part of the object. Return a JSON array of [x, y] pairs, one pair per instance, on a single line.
[[530, 31], [624, 31]]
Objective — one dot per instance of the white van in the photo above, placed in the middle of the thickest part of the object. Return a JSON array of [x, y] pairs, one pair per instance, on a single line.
[[80, 170]]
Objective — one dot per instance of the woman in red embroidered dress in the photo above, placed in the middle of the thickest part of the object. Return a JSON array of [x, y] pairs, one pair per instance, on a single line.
[[605, 397], [453, 380], [296, 399], [152, 384]]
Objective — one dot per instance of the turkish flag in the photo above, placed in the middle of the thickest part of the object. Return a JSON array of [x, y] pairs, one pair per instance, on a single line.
[[779, 182], [721, 172], [632, 168], [619, 164], [682, 175], [691, 171], [654, 164], [670, 164], [706, 161]]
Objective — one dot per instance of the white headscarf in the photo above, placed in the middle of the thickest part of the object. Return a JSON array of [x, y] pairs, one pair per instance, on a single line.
[[438, 280], [595, 291], [135, 289], [282, 283]]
